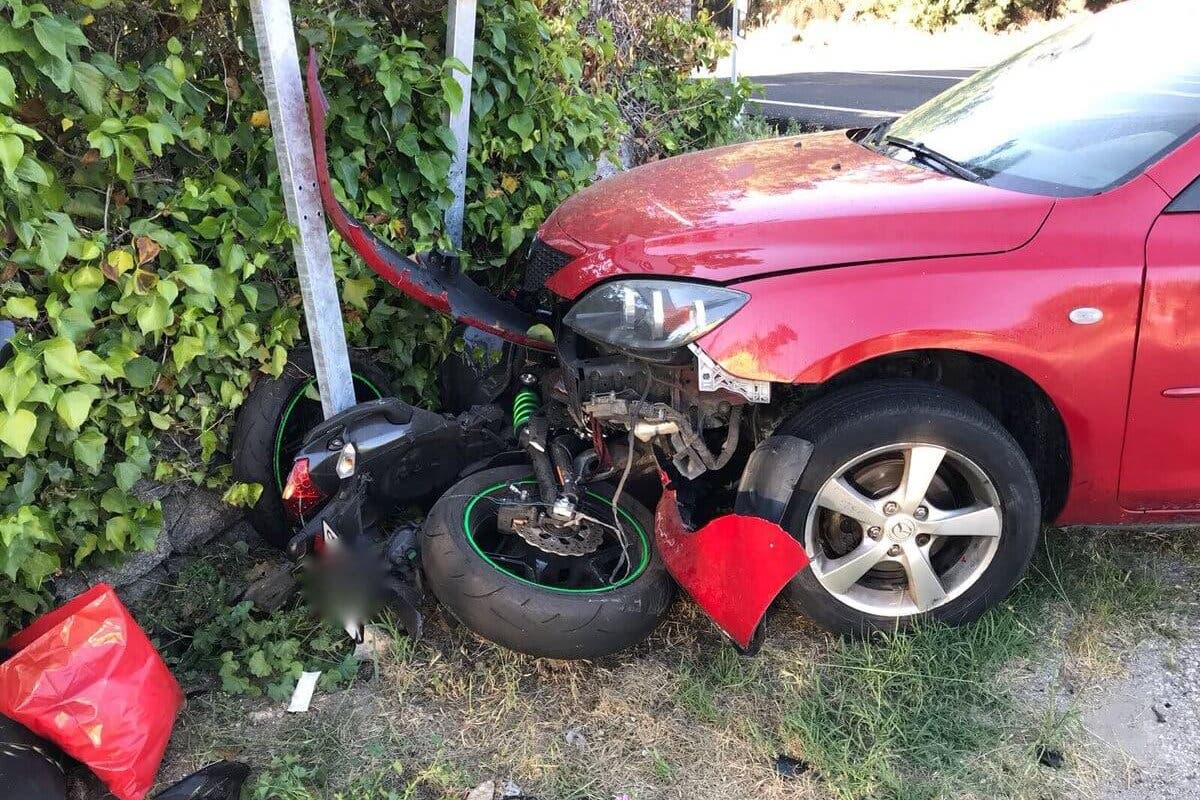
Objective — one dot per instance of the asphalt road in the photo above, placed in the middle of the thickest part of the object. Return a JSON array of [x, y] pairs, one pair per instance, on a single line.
[[850, 99]]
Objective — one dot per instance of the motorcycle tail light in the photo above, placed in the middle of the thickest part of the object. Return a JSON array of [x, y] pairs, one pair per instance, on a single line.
[[300, 494]]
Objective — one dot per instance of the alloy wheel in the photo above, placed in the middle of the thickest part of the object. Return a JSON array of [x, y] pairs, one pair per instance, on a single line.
[[903, 529]]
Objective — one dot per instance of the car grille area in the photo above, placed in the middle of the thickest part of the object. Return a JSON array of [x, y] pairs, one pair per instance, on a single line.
[[542, 262]]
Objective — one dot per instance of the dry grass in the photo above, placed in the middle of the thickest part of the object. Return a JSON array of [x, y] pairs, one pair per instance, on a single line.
[[926, 715]]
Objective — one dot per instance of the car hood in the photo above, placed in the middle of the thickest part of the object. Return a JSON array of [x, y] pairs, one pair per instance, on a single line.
[[776, 205]]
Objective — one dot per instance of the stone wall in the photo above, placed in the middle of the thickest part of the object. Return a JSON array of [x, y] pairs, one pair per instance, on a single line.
[[192, 518]]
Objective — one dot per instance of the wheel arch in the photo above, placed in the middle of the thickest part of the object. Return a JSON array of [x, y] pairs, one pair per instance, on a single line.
[[1020, 404]]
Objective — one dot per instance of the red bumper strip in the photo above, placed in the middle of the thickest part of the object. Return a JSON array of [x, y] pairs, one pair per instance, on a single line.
[[453, 294], [733, 567]]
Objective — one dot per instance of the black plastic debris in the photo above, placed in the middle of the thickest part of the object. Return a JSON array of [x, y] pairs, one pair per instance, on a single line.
[[788, 767], [1050, 757], [30, 767], [220, 781]]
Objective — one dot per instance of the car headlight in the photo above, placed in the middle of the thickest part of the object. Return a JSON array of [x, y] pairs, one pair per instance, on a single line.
[[647, 314]]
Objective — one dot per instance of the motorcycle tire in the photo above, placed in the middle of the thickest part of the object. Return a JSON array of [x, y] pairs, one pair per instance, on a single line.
[[531, 609], [273, 423]]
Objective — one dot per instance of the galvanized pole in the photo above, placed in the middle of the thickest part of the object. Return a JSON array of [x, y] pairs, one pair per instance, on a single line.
[[735, 30], [460, 43], [298, 178]]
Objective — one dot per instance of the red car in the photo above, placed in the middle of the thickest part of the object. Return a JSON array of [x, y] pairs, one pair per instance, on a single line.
[[890, 354], [984, 315]]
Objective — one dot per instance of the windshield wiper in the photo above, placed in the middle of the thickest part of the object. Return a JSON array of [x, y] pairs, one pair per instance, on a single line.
[[930, 154], [876, 132]]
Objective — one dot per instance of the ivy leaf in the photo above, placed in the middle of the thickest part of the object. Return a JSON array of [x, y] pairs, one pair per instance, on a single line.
[[73, 406], [38, 566], [61, 361], [12, 147], [21, 308], [166, 81], [116, 530], [155, 315], [127, 474], [356, 292], [8, 88], [452, 92], [141, 372], [521, 124], [16, 429], [16, 387], [89, 85], [55, 239], [52, 36], [434, 167], [198, 278], [117, 263], [88, 449], [185, 349], [147, 249]]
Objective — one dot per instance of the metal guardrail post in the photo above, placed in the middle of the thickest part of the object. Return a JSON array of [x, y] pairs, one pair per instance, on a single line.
[[298, 179], [460, 43]]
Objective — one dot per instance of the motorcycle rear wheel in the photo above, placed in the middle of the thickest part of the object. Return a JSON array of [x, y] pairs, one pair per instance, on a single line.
[[509, 593], [272, 425]]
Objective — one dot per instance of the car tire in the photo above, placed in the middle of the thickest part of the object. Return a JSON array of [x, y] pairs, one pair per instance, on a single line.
[[257, 453], [521, 615], [892, 423]]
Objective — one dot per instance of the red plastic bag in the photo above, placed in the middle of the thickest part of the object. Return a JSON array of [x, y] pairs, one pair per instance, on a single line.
[[86, 677]]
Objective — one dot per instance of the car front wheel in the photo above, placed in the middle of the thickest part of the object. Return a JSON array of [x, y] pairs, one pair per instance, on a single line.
[[916, 504]]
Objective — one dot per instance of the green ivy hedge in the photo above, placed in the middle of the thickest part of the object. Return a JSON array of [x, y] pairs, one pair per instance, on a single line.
[[144, 250]]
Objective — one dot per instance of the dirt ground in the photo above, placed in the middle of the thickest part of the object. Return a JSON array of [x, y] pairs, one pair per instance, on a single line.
[[1084, 686]]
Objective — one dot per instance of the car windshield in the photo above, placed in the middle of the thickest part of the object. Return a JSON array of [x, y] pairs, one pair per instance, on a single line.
[[1076, 114]]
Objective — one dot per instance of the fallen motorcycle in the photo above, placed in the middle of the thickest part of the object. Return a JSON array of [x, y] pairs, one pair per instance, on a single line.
[[541, 535]]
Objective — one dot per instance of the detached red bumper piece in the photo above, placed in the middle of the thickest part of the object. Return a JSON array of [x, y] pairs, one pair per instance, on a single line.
[[733, 567], [85, 677]]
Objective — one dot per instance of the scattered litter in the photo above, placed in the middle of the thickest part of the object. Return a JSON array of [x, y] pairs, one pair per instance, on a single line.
[[622, 796], [1160, 714], [575, 738], [1049, 757], [511, 789], [302, 696], [788, 767], [484, 791]]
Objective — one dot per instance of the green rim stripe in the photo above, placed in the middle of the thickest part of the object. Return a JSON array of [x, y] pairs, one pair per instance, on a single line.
[[628, 579], [287, 413]]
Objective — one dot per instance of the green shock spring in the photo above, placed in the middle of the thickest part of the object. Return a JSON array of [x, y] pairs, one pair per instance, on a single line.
[[525, 405]]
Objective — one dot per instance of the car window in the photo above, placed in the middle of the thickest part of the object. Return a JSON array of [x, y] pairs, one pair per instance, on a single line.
[[1080, 112], [1188, 200]]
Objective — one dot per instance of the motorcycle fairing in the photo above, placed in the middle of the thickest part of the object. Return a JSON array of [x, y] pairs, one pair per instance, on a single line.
[[449, 292], [733, 567]]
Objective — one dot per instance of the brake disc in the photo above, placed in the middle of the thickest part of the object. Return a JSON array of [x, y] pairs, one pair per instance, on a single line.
[[578, 540]]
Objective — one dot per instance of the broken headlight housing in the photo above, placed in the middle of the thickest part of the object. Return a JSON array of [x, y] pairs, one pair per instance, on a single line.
[[652, 315]]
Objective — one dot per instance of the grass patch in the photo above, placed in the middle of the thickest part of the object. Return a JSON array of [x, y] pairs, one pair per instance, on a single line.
[[936, 713], [902, 717], [928, 713]]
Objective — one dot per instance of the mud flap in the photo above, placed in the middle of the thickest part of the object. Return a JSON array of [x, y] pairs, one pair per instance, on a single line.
[[737, 564]]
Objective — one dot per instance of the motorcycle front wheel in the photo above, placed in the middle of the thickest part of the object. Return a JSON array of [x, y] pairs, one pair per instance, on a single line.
[[527, 599]]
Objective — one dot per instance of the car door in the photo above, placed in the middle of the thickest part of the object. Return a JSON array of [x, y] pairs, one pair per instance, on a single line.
[[1160, 468]]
